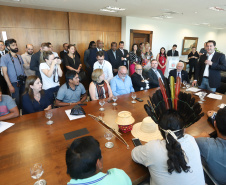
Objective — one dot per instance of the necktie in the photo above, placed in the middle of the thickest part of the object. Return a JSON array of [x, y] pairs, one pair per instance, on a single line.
[[178, 74], [173, 53]]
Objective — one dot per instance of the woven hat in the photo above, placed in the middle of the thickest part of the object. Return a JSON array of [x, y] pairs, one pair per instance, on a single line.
[[146, 130], [124, 118]]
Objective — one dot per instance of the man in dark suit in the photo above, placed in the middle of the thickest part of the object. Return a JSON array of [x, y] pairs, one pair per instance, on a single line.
[[173, 52], [209, 67], [64, 52], [124, 55], [3, 83], [153, 74], [93, 55], [35, 59], [139, 83], [179, 72], [114, 58]]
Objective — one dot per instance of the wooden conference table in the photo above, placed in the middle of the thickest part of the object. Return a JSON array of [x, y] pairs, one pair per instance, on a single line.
[[31, 141]]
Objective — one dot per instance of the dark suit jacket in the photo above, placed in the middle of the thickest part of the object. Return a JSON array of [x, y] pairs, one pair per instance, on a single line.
[[115, 62], [219, 64], [3, 83], [153, 79], [136, 80], [169, 53], [93, 57], [35, 62], [184, 75], [124, 56]]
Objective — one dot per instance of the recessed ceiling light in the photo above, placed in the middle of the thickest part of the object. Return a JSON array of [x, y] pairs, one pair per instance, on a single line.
[[115, 8], [16, 0], [196, 12], [219, 28], [106, 10], [157, 17], [215, 8], [196, 24], [205, 23]]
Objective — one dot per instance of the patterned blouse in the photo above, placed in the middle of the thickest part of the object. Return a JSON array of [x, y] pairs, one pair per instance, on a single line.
[[134, 58]]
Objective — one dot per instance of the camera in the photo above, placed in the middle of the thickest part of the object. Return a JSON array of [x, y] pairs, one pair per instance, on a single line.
[[22, 78]]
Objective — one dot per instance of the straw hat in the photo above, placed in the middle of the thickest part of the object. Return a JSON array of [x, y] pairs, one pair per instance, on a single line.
[[124, 118], [146, 130]]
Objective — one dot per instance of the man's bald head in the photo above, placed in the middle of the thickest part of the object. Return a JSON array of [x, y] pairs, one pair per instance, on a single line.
[[30, 49], [100, 44]]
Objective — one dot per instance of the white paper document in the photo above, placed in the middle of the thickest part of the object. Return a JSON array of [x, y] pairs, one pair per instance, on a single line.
[[5, 125], [193, 89], [222, 105], [72, 117], [215, 96]]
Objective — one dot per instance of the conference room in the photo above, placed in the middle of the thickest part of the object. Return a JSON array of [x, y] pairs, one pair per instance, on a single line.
[[90, 91]]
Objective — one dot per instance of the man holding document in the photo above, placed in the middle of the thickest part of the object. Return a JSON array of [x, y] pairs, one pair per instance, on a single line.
[[209, 67], [8, 108]]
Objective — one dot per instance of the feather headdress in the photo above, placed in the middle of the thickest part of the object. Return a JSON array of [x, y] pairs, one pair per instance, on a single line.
[[170, 97]]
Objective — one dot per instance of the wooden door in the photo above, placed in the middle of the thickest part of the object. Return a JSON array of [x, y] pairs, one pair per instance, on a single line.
[[138, 36]]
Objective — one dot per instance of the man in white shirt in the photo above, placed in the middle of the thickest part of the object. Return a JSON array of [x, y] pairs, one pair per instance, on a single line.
[[209, 67], [104, 65], [27, 59]]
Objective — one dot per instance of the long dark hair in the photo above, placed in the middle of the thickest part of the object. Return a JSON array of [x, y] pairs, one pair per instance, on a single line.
[[164, 52], [138, 52], [90, 44], [28, 90], [171, 120]]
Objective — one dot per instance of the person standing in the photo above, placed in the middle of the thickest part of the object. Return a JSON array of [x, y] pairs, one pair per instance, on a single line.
[[114, 58], [27, 59], [173, 52], [13, 71], [203, 50], [3, 84], [50, 71], [134, 58], [124, 55], [35, 59], [193, 61], [208, 69], [162, 60], [146, 57]]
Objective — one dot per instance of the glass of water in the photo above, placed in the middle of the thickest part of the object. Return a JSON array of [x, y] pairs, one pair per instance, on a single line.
[[101, 102], [114, 98], [185, 83], [133, 95], [36, 173], [201, 96], [49, 115], [108, 135]]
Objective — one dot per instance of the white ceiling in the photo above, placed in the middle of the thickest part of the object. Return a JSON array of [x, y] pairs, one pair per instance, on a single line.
[[191, 11]]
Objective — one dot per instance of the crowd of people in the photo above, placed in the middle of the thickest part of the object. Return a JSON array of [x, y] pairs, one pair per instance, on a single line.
[[32, 79]]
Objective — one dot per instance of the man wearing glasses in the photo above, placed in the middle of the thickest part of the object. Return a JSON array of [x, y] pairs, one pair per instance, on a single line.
[[139, 83], [104, 65], [72, 92], [121, 83]]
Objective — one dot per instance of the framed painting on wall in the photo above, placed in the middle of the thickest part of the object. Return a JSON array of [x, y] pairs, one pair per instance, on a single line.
[[188, 43]]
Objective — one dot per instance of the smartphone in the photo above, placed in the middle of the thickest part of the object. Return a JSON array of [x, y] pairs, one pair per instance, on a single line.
[[136, 142], [82, 104], [140, 100]]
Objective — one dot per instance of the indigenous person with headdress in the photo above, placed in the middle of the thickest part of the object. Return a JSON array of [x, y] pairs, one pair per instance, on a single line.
[[99, 88], [176, 158]]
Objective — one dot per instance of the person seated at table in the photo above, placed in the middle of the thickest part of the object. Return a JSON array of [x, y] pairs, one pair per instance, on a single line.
[[85, 164], [99, 88], [173, 160], [103, 64], [139, 83], [153, 74], [8, 107], [213, 150], [72, 92], [50, 72], [121, 83], [34, 98], [179, 72]]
